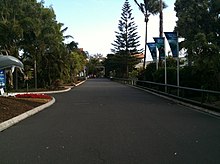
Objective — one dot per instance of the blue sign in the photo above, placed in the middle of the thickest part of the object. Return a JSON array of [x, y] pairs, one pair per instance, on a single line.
[[2, 79], [160, 45], [153, 50], [173, 42]]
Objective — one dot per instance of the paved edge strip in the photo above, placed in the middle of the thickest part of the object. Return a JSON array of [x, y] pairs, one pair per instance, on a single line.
[[197, 108], [6, 124]]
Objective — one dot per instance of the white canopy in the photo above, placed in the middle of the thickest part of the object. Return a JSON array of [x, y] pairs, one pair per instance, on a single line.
[[7, 61]]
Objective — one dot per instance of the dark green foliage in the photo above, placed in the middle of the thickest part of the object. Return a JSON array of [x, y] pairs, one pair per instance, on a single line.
[[159, 76], [195, 78], [111, 65], [148, 73], [189, 77], [199, 24], [94, 67], [151, 74], [27, 26]]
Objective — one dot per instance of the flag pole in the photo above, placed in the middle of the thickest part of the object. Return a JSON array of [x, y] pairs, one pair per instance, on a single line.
[[165, 66], [178, 67]]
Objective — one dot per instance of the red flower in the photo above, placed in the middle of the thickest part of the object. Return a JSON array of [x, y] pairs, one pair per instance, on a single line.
[[33, 95]]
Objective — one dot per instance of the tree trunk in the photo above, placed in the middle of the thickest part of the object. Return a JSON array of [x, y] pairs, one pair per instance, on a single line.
[[161, 18], [35, 74]]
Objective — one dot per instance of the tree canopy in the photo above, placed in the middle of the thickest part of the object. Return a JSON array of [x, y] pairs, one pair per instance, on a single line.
[[199, 24], [30, 31]]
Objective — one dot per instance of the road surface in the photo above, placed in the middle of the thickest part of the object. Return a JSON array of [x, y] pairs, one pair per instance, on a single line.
[[103, 122]]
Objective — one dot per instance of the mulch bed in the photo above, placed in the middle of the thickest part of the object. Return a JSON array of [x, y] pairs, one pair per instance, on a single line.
[[11, 106]]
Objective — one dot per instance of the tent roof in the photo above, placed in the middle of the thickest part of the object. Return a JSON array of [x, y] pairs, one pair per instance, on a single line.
[[7, 61]]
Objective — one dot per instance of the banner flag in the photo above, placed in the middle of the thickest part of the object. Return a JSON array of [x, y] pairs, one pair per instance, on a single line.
[[153, 50], [160, 45], [2, 79], [173, 42]]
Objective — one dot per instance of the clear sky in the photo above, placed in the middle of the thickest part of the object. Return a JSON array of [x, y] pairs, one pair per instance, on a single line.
[[93, 23]]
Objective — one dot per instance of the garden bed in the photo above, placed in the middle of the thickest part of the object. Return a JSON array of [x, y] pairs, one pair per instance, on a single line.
[[14, 106]]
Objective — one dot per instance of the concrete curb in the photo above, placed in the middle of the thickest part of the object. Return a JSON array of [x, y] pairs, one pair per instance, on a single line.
[[43, 92], [49, 92], [15, 120], [80, 83], [6, 124]]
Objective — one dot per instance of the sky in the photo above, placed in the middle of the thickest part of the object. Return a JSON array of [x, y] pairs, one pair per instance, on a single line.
[[93, 23]]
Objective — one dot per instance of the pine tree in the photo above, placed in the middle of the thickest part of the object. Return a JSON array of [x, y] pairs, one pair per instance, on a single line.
[[127, 40]]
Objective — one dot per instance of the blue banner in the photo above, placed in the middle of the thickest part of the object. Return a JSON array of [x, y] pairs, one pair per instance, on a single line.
[[173, 42], [2, 79], [160, 45], [153, 50]]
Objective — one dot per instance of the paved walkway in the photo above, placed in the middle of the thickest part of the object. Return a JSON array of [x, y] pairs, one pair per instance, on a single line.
[[106, 122]]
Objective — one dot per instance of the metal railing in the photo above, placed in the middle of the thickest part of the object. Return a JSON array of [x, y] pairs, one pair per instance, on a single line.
[[201, 97]]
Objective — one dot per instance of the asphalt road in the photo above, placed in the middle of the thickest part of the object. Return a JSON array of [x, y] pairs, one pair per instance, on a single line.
[[106, 122]]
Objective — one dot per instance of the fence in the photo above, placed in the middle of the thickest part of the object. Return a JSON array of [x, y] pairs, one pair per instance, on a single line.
[[205, 98]]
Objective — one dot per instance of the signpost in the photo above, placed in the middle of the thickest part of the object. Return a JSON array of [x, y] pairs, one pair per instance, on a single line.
[[160, 43], [172, 38], [2, 79]]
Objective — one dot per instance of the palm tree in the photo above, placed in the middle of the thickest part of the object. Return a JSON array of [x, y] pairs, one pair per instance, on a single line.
[[147, 8]]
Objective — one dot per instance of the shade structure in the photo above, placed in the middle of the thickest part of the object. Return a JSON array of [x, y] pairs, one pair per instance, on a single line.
[[7, 61]]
